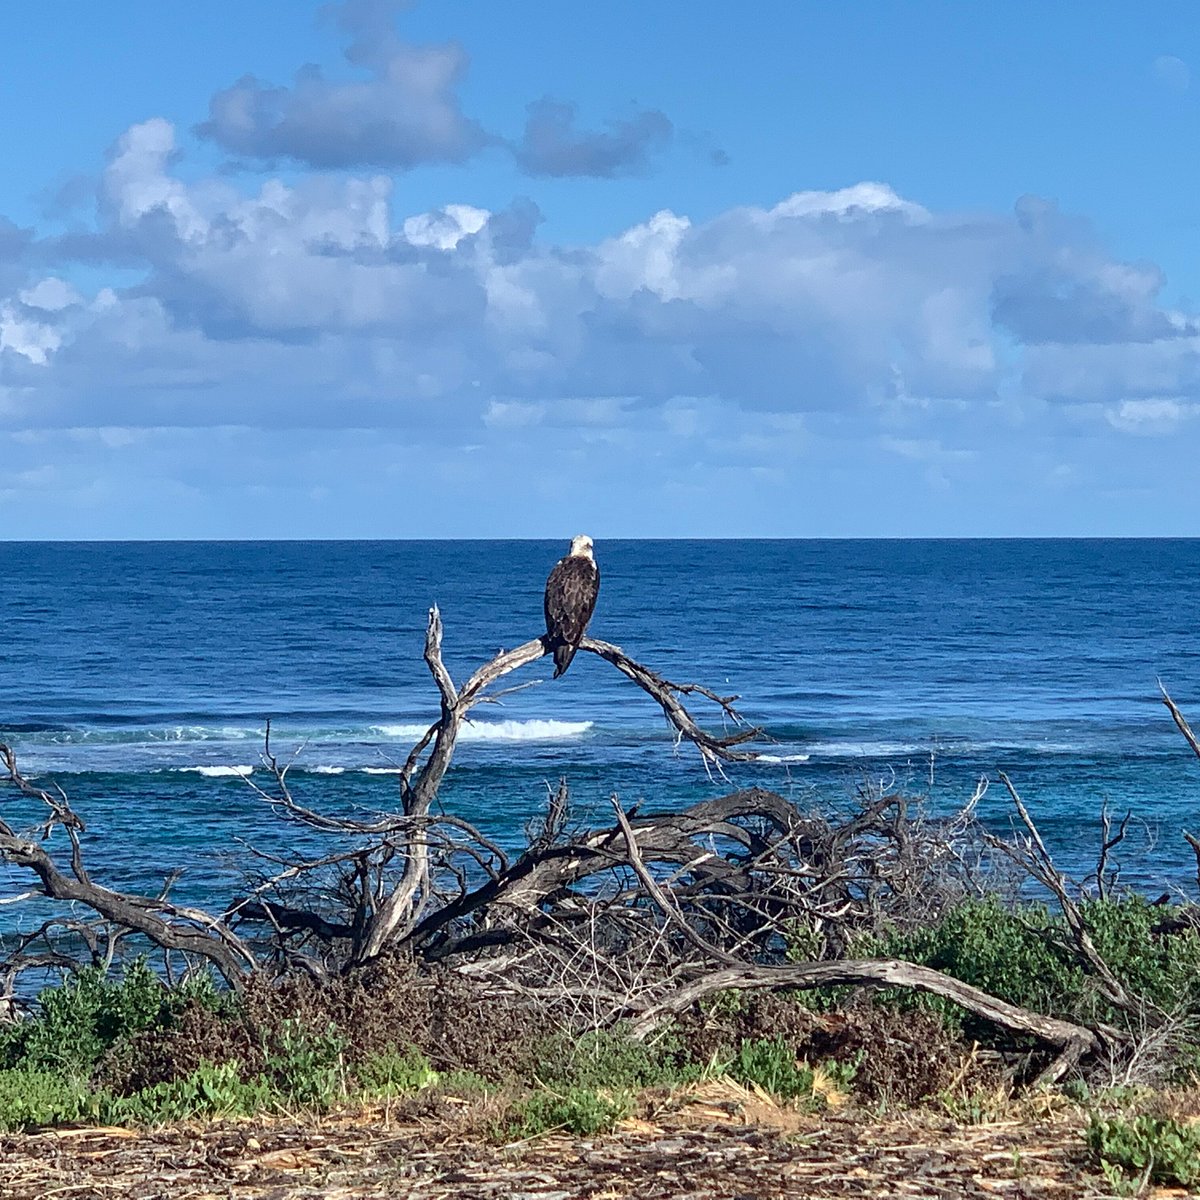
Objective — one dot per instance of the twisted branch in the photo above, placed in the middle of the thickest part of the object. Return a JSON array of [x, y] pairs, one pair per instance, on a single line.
[[166, 925]]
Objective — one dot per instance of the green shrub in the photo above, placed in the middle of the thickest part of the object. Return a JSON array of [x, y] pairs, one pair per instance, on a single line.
[[307, 1069], [465, 1084], [213, 1090], [610, 1059], [1020, 955], [1164, 968], [771, 1064], [579, 1110], [395, 1073], [1145, 1146], [30, 1097], [77, 1022], [1008, 953]]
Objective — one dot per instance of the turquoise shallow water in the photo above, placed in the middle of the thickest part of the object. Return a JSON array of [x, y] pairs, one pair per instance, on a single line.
[[140, 675]]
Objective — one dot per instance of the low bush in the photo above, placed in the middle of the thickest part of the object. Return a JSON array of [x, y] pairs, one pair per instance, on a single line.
[[579, 1110], [77, 1023], [1133, 1149], [306, 1067], [400, 1072], [1021, 955], [1011, 953], [213, 1090], [608, 1059], [31, 1097], [772, 1065]]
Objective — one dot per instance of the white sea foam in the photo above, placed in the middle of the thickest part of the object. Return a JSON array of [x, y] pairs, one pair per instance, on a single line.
[[867, 749], [324, 770], [383, 770], [219, 772], [955, 746], [782, 758], [149, 734], [498, 731]]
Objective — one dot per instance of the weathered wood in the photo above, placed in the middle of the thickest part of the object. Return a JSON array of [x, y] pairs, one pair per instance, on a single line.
[[1071, 1040], [167, 925]]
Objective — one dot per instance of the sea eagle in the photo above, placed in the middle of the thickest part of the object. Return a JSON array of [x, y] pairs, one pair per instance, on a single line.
[[570, 598]]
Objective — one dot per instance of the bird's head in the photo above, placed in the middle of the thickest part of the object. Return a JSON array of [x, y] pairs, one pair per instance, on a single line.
[[582, 545]]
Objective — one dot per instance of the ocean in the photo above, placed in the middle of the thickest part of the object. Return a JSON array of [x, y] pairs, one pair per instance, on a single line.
[[139, 676]]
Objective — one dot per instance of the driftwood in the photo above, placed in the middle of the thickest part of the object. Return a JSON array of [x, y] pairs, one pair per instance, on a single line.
[[384, 886], [1071, 1040], [167, 925]]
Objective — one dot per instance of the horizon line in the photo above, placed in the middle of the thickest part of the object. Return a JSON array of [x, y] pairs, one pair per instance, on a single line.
[[1003, 537]]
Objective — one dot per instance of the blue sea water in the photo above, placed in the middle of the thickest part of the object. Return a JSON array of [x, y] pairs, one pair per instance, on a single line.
[[140, 675]]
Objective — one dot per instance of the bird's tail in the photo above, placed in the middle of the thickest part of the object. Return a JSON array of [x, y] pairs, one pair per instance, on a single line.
[[563, 653]]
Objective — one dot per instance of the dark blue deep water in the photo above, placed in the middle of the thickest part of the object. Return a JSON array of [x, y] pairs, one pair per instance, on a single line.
[[139, 676]]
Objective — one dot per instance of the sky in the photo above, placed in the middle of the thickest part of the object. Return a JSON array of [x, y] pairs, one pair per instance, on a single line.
[[271, 268]]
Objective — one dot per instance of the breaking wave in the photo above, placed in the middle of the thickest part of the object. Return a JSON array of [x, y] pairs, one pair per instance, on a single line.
[[497, 731], [181, 734], [219, 772]]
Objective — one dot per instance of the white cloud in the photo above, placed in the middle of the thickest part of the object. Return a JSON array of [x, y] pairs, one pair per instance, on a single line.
[[513, 414], [50, 294], [1154, 417], [445, 229], [848, 203], [27, 337], [137, 183], [313, 302]]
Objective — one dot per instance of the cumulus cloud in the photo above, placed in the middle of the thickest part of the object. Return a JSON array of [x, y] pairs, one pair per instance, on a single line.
[[444, 229], [314, 303], [1086, 299], [406, 112], [28, 337], [552, 145], [1157, 416]]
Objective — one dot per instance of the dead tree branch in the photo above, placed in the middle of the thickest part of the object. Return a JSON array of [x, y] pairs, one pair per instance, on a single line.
[[1031, 853], [400, 911], [1182, 725], [637, 920], [167, 925], [1072, 1041]]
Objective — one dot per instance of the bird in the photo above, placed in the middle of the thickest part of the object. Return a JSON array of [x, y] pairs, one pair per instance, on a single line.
[[571, 592]]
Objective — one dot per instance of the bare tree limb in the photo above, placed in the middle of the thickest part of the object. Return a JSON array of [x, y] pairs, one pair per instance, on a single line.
[[1034, 856], [1071, 1040], [165, 924]]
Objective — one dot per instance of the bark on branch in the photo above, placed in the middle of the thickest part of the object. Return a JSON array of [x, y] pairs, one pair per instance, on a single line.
[[1070, 1040], [167, 925], [400, 912]]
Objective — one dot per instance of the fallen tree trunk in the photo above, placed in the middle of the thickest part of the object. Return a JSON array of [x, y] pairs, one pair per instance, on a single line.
[[1070, 1040]]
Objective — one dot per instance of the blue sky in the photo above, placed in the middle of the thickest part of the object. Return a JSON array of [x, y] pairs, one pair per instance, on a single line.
[[370, 269]]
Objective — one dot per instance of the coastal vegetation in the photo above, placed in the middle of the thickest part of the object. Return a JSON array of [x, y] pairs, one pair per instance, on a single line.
[[866, 954]]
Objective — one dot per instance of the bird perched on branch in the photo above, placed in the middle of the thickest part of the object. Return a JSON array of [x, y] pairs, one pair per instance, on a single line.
[[571, 594]]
